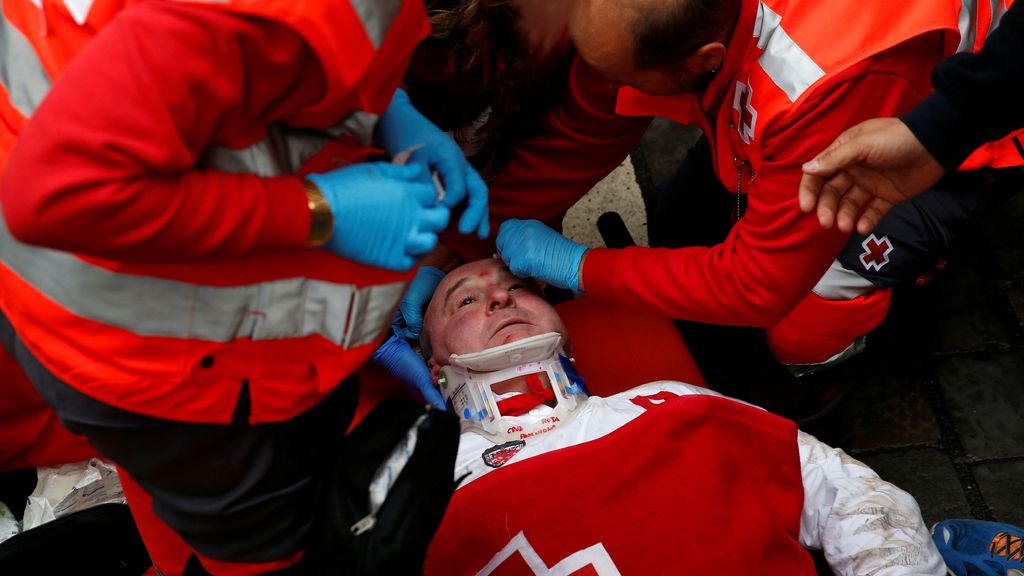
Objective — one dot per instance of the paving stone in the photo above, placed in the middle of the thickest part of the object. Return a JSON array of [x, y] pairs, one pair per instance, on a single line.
[[1006, 237], [889, 409], [664, 146], [968, 313], [1002, 485], [618, 192], [982, 392], [928, 475], [1016, 297]]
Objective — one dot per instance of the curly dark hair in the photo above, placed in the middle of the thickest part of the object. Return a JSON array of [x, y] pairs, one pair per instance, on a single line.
[[497, 69]]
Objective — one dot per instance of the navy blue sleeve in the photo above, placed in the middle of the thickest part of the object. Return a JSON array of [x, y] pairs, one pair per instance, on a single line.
[[977, 96]]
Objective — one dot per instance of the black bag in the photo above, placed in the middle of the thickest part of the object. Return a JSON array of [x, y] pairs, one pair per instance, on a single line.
[[351, 539], [98, 540]]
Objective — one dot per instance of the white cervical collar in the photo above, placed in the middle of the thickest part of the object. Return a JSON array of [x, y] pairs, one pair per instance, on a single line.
[[466, 387]]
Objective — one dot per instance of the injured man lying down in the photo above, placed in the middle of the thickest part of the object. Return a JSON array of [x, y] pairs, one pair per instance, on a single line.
[[665, 478]]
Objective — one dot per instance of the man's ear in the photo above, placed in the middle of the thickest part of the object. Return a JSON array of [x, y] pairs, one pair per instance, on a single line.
[[707, 58]]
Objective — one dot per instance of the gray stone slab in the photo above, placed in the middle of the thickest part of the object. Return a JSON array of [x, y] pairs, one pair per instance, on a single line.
[[1005, 232], [983, 395], [969, 314], [889, 409], [928, 475], [1016, 297], [664, 146], [1002, 485]]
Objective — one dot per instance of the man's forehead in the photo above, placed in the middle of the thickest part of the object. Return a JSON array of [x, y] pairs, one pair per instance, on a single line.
[[482, 270], [472, 274]]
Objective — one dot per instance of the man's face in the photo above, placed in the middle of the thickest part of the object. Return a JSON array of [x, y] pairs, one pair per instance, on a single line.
[[481, 305]]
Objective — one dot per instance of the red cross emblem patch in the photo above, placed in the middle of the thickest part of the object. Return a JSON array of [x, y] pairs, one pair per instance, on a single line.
[[744, 117], [876, 252]]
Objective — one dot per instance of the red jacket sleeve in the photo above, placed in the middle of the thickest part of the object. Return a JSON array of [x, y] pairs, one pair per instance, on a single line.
[[775, 254], [579, 143], [107, 166]]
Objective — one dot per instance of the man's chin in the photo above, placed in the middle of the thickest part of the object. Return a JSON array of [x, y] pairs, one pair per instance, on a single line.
[[512, 333]]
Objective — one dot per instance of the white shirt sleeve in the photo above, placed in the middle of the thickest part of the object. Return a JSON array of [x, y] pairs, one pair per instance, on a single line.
[[862, 523]]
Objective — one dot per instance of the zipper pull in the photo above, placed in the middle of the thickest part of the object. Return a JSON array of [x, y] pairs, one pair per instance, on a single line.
[[739, 184], [364, 525]]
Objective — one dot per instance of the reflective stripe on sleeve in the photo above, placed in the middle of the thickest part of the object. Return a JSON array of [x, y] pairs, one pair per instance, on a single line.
[[147, 306], [998, 9], [788, 66], [285, 150], [21, 72], [376, 17], [967, 22]]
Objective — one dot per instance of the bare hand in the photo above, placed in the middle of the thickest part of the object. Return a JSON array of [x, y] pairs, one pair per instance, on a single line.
[[868, 169]]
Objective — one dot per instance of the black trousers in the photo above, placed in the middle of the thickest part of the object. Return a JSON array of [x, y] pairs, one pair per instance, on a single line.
[[235, 492]]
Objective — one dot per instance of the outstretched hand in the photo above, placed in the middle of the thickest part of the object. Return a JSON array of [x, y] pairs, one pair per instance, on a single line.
[[868, 169]]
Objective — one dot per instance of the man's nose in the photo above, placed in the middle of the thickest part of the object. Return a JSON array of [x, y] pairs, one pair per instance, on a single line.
[[499, 298]]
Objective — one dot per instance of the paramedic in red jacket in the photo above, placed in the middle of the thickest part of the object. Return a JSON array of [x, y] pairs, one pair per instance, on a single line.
[[195, 252], [770, 83]]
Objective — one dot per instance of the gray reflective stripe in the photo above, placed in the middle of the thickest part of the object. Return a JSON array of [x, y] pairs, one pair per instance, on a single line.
[[788, 66], [377, 16], [287, 308], [79, 9], [967, 22], [360, 125], [285, 149], [767, 21], [858, 346], [841, 283], [21, 72], [998, 9]]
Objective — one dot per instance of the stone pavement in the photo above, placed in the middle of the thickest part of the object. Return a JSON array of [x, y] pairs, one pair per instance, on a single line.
[[939, 410]]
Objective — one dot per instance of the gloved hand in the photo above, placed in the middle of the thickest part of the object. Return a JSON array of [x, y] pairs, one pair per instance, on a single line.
[[402, 127], [531, 249], [410, 312], [384, 215], [401, 361]]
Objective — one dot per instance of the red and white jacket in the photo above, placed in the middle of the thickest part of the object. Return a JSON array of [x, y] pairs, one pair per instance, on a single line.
[[797, 73], [669, 478], [153, 246]]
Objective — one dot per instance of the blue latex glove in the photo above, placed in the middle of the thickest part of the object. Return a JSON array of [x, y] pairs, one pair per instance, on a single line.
[[384, 215], [410, 312], [402, 127], [401, 361], [532, 250]]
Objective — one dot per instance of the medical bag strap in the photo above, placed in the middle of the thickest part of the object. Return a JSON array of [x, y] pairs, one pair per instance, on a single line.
[[407, 452]]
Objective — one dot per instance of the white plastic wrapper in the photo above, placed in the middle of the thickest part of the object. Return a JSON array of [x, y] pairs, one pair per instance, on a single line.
[[70, 488], [9, 525]]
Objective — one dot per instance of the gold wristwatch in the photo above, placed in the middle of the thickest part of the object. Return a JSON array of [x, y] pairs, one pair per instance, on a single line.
[[322, 219]]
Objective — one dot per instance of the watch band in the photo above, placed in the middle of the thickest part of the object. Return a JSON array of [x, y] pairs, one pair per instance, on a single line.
[[322, 219]]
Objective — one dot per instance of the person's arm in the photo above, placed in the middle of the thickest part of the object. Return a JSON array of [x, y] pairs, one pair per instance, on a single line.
[[977, 96], [127, 122], [775, 254], [863, 524], [882, 162], [579, 143]]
